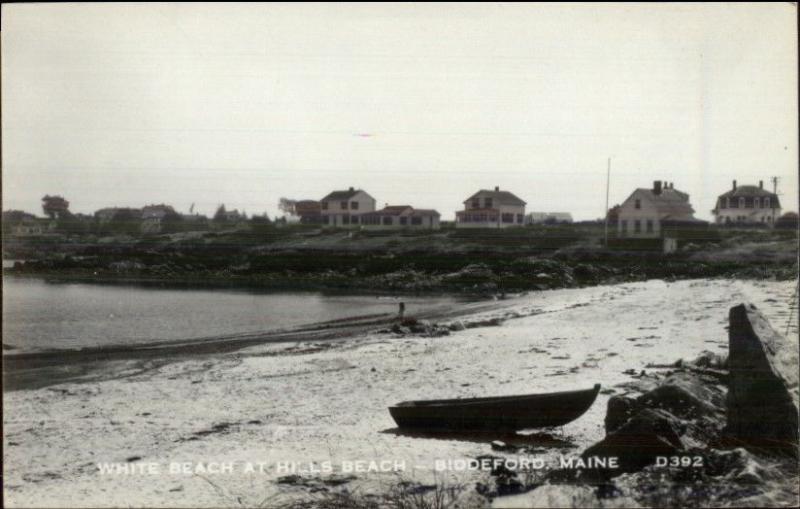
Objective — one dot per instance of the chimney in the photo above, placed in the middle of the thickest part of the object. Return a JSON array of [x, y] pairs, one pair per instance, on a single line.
[[734, 185], [656, 187], [761, 184], [352, 189], [496, 188]]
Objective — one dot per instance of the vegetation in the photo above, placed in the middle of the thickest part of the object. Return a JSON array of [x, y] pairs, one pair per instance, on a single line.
[[449, 260]]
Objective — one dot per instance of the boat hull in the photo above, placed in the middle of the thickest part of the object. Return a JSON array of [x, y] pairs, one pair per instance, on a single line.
[[505, 413]]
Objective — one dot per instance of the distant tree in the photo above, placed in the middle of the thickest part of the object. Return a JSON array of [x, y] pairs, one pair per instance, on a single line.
[[55, 207], [287, 205], [262, 219], [220, 216], [788, 221], [172, 222], [125, 221]]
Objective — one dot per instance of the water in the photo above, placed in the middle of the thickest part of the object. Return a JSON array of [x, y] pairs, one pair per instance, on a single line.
[[38, 315]]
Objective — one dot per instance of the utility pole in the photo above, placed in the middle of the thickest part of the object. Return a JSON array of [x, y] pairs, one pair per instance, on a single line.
[[775, 192], [608, 182]]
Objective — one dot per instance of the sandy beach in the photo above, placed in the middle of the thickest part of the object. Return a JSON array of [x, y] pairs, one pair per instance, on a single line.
[[319, 407]]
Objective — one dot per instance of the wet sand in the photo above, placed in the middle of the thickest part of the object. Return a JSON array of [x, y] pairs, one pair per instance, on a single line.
[[34, 370]]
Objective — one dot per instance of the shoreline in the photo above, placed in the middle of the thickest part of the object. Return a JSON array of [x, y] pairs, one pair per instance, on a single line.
[[326, 401], [42, 368]]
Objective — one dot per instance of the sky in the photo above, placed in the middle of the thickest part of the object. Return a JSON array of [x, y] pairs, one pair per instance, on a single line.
[[420, 104]]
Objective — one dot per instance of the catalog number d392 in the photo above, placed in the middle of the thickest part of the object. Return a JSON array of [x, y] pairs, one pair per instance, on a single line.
[[679, 461]]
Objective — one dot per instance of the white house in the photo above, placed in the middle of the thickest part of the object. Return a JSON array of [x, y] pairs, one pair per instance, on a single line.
[[647, 211], [400, 217], [343, 209], [491, 209], [747, 205]]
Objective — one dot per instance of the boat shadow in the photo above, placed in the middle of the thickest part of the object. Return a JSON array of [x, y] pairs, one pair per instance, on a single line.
[[512, 440]]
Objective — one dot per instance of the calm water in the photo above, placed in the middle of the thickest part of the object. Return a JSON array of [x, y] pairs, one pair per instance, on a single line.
[[40, 315]]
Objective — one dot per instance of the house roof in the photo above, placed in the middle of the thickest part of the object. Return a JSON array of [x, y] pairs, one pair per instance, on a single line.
[[747, 191], [307, 207], [425, 212], [669, 201], [342, 195], [498, 197], [390, 210], [397, 210], [752, 192], [156, 211]]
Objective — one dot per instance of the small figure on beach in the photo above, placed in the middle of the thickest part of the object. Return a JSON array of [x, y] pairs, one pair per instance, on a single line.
[[401, 311]]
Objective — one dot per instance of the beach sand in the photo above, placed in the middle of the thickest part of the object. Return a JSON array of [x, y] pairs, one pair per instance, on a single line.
[[324, 403]]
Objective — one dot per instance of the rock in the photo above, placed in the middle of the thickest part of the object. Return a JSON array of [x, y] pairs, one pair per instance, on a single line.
[[762, 403], [708, 359], [686, 409], [456, 326], [499, 445], [638, 441], [289, 479], [677, 400], [619, 410], [492, 322]]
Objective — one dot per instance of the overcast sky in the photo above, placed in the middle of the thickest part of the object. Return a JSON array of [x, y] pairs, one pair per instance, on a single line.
[[130, 104]]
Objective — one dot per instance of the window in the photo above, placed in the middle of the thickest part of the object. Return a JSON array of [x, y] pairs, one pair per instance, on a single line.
[[343, 205], [766, 202], [404, 221], [326, 219], [520, 218], [354, 219], [353, 205], [387, 220], [623, 226], [637, 226], [345, 219], [723, 203], [476, 204], [638, 204], [649, 226], [416, 221], [756, 203], [488, 202], [508, 218], [324, 205], [493, 219]]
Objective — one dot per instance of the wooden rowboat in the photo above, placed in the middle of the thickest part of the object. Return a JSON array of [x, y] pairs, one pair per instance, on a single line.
[[502, 413]]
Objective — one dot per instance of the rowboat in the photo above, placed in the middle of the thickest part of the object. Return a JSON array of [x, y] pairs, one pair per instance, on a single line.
[[500, 413]]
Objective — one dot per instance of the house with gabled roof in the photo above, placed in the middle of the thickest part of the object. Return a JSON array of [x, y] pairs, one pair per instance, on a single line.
[[400, 217], [491, 209], [747, 205], [648, 212], [343, 209]]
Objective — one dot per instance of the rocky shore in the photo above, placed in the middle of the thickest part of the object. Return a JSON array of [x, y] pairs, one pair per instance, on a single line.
[[483, 263], [400, 274], [721, 430]]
